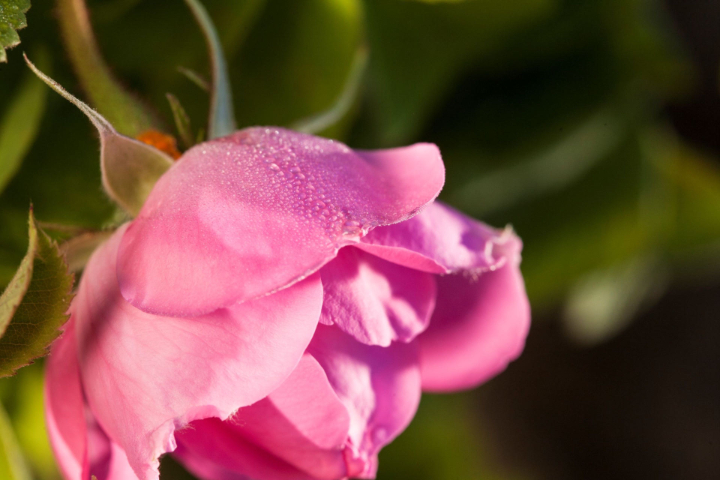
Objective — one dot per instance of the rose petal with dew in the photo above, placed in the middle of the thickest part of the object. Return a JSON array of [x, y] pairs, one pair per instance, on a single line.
[[245, 215]]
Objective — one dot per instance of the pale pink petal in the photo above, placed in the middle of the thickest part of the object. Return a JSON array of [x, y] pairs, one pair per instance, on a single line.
[[478, 327], [106, 460], [81, 448], [215, 453], [145, 376], [442, 240], [302, 423], [375, 301], [379, 386], [244, 215], [64, 406]]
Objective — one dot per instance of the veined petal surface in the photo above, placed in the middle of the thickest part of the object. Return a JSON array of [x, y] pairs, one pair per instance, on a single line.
[[145, 376], [248, 214], [479, 326], [379, 386], [302, 424], [81, 447], [442, 240], [376, 301]]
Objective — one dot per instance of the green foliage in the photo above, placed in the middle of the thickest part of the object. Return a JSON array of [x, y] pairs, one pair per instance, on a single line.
[[12, 18], [419, 49], [125, 112], [22, 396], [12, 464], [222, 117], [33, 307], [130, 169], [19, 124], [283, 77]]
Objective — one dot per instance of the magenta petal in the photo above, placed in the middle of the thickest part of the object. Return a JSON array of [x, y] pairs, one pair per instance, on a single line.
[[478, 327], [106, 460], [81, 450], [256, 211], [379, 386], [64, 406], [442, 240], [375, 301], [145, 376], [213, 452], [302, 423]]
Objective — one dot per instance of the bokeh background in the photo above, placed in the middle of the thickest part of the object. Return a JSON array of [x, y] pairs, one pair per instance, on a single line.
[[591, 126]]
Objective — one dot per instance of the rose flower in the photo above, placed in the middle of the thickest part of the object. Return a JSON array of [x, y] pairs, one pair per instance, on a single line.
[[275, 311]]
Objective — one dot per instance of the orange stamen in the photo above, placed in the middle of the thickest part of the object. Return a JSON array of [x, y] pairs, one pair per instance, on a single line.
[[162, 141]]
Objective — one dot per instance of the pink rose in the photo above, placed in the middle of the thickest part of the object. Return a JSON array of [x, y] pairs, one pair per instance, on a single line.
[[275, 311]]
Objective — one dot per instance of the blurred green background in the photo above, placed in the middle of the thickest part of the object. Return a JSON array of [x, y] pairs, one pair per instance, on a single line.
[[591, 126]]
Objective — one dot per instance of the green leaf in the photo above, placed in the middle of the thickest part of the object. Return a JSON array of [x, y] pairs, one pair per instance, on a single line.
[[603, 302], [125, 112], [297, 60], [12, 464], [222, 117], [129, 168], [419, 49], [322, 121], [33, 306], [12, 18], [21, 122]]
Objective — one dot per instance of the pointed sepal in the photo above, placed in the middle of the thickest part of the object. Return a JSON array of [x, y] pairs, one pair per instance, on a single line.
[[129, 168]]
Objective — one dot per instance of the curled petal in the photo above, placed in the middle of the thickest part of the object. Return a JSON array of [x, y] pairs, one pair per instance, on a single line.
[[443, 240], [81, 447], [64, 406], [215, 453], [375, 301], [145, 376], [380, 387], [248, 214], [478, 327], [302, 423]]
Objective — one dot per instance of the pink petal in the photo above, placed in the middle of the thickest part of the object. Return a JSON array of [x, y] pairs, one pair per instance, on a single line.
[[145, 376], [215, 453], [442, 240], [256, 211], [81, 448], [478, 327], [302, 423], [64, 406], [375, 301], [106, 460], [380, 387]]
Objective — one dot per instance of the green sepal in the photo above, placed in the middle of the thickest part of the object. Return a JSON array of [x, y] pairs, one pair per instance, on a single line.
[[129, 168], [182, 121], [34, 305]]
